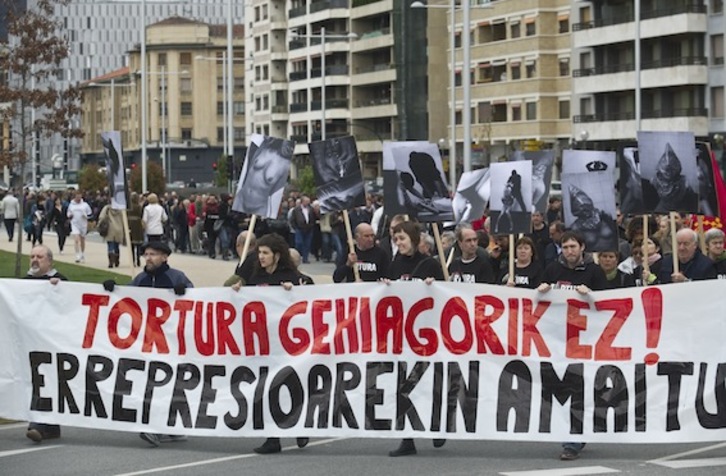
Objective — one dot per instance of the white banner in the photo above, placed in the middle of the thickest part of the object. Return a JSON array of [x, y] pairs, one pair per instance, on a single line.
[[449, 360]]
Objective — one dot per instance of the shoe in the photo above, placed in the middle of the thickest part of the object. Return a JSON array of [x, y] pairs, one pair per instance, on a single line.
[[406, 448], [151, 438], [569, 454], [34, 434], [172, 438], [302, 442], [439, 442], [78, 258], [83, 258], [270, 446]]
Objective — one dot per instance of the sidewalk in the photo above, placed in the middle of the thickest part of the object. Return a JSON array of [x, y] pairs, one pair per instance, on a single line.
[[201, 270]]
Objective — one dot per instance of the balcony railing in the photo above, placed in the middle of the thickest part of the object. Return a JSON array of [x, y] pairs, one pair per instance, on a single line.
[[297, 43], [362, 3], [629, 116], [298, 107], [329, 104], [298, 75], [299, 138], [644, 15], [373, 68], [326, 4], [373, 102], [625, 67], [279, 109], [335, 70], [297, 11]]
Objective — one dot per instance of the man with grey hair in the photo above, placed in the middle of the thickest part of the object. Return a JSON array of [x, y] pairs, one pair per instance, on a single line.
[[692, 264], [715, 249], [372, 261], [427, 244]]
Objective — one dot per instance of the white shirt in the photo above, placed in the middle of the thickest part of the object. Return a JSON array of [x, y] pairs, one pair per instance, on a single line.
[[153, 218], [10, 207], [79, 213]]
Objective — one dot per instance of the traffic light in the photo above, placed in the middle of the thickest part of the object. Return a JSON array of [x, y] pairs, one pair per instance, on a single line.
[[214, 166]]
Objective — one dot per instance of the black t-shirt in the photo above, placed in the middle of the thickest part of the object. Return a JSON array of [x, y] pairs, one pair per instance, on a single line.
[[621, 280], [529, 276], [247, 267], [372, 265], [276, 278], [416, 266], [720, 269], [478, 270], [588, 273]]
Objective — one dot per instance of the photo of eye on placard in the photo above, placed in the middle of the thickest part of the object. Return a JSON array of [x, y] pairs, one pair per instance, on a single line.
[[472, 195], [115, 170], [510, 206], [668, 171], [264, 176], [630, 187], [576, 161], [338, 177], [542, 161], [588, 205], [414, 182]]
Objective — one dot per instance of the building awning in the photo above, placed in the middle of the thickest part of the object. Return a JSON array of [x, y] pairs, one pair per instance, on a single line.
[[563, 16], [485, 64], [515, 63], [483, 23], [530, 20]]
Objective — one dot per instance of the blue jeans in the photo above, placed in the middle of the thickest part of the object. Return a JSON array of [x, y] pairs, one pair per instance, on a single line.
[[303, 242], [112, 247]]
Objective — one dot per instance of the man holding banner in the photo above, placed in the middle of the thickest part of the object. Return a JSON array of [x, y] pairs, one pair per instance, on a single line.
[[692, 264], [372, 261]]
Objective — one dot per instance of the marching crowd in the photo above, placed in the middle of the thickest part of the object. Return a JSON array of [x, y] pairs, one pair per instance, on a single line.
[[384, 249]]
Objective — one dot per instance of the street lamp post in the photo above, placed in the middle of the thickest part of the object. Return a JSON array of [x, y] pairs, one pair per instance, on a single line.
[[323, 37], [230, 82], [144, 106]]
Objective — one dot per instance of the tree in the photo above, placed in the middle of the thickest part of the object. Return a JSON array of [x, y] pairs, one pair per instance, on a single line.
[[90, 178], [221, 175], [30, 62], [305, 181], [154, 178]]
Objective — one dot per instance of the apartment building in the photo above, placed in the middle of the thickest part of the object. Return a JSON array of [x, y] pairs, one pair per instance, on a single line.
[[186, 103], [370, 56], [660, 56], [520, 78]]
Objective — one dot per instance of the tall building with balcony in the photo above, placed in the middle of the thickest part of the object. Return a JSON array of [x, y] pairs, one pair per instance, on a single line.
[[520, 78], [659, 56], [368, 55], [187, 110]]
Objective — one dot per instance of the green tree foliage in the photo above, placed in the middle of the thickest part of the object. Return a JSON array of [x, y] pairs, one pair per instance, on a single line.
[[91, 178], [221, 176], [154, 178], [29, 63], [305, 181]]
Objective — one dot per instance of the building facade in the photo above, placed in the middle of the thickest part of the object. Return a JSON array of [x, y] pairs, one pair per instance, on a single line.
[[187, 111]]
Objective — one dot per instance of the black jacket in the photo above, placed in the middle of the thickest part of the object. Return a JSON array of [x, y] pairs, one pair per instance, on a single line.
[[372, 265]]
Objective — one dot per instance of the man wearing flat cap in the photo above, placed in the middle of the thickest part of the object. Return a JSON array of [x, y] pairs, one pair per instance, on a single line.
[[157, 274]]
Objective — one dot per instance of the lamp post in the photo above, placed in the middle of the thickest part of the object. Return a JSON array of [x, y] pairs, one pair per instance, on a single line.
[[230, 82], [227, 131], [323, 37], [144, 95], [466, 83]]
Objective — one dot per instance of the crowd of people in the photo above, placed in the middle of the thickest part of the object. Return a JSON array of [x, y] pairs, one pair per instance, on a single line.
[[385, 249]]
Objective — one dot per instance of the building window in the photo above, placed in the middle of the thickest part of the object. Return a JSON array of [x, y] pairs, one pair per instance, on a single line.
[[161, 59], [564, 66], [516, 70], [716, 6], [716, 49], [239, 134], [531, 111], [515, 30], [717, 106], [220, 108], [457, 78], [516, 112], [238, 108], [185, 84], [457, 40], [220, 133], [186, 108], [186, 134], [565, 109], [529, 27], [531, 69], [564, 24], [185, 59]]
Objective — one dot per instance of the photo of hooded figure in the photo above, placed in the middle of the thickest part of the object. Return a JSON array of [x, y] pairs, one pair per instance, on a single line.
[[472, 195], [414, 182], [630, 187], [668, 171], [510, 206], [264, 176], [542, 161], [337, 172], [115, 170], [707, 197], [588, 205]]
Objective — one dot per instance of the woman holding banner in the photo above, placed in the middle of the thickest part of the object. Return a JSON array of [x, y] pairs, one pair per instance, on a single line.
[[410, 265], [274, 267]]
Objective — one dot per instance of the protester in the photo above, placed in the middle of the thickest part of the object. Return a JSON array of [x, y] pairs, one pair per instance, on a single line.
[[115, 235], [41, 267], [370, 259], [616, 279], [58, 217], [79, 212], [10, 210], [246, 266], [715, 245], [274, 267], [153, 219], [303, 220], [473, 266], [692, 264], [573, 270], [654, 260], [157, 274], [527, 268], [409, 265]]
